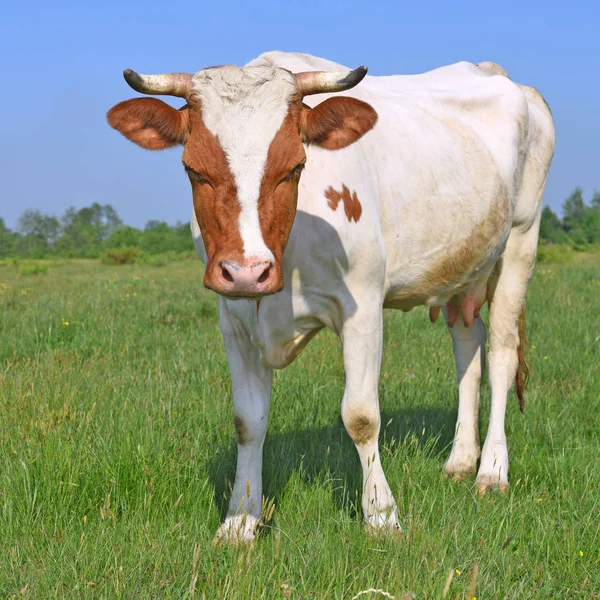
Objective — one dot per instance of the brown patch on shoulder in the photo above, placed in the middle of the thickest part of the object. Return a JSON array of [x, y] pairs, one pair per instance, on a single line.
[[352, 205], [241, 431], [361, 429]]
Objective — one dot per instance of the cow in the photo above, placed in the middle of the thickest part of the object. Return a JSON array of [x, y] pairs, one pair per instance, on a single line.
[[313, 209]]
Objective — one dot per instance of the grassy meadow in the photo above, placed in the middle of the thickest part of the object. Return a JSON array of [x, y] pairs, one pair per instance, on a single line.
[[117, 451]]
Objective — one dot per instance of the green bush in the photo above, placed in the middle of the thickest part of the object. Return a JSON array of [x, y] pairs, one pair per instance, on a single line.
[[153, 260], [164, 258], [556, 253], [127, 255], [33, 269]]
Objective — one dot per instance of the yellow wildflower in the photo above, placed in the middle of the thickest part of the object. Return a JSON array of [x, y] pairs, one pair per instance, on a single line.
[[457, 571], [581, 553], [65, 322]]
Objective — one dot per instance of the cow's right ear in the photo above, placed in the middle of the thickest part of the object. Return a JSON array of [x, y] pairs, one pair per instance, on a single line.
[[150, 123]]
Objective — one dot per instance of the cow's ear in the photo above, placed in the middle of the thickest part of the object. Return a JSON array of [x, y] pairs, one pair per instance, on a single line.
[[150, 123], [337, 122]]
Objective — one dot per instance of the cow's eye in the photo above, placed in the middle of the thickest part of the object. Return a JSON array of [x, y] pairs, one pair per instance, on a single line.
[[196, 176], [294, 172]]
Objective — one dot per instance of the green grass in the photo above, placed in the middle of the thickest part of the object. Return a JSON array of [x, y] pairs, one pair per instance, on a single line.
[[117, 450]]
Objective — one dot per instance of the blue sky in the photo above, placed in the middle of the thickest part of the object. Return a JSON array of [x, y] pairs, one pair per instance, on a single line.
[[62, 65]]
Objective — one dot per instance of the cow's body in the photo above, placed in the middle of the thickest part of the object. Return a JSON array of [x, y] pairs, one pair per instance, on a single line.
[[440, 185], [438, 205]]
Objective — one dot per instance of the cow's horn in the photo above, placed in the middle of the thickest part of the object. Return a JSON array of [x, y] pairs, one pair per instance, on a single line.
[[169, 84], [323, 82]]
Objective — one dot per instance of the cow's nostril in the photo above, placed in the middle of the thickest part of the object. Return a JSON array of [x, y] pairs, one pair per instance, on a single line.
[[226, 274], [264, 275]]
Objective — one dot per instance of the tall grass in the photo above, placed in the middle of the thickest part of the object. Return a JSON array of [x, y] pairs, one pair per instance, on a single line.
[[117, 451]]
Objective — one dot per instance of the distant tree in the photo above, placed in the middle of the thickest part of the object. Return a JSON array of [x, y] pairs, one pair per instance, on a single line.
[[153, 224], [158, 237], [578, 236], [582, 222], [7, 240], [100, 220], [574, 212], [124, 236], [85, 230], [591, 225], [592, 222], [183, 236], [551, 229], [39, 233]]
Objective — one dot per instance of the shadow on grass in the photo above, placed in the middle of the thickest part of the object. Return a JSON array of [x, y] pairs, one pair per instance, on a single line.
[[316, 454]]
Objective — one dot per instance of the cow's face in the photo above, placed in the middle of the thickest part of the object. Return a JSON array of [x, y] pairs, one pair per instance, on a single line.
[[243, 132]]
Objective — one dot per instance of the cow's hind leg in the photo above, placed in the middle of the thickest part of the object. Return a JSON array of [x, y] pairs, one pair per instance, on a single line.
[[362, 344], [251, 385], [469, 353], [506, 298]]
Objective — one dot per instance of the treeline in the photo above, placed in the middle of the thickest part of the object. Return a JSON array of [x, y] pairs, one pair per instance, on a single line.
[[88, 233], [92, 231], [580, 225]]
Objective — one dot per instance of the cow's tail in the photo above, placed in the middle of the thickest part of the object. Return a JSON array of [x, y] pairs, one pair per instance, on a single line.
[[523, 367]]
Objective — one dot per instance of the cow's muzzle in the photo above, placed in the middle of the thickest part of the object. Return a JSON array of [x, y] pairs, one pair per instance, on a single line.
[[251, 278]]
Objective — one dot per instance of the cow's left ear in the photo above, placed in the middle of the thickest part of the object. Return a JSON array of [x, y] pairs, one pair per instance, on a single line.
[[337, 122]]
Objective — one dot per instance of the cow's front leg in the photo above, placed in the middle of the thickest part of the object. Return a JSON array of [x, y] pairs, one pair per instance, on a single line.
[[251, 385], [362, 339]]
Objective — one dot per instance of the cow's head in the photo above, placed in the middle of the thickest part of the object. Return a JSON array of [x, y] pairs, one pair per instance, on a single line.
[[243, 131]]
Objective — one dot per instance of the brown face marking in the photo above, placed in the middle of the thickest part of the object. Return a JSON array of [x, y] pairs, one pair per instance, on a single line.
[[214, 193], [241, 431], [279, 187], [352, 206]]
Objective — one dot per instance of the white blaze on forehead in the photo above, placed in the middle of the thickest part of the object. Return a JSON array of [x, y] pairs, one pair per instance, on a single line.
[[244, 108]]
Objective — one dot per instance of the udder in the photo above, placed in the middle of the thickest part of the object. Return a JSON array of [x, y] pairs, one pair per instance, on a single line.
[[468, 304]]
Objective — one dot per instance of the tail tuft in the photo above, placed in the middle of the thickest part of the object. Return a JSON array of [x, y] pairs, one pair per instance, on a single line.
[[523, 368]]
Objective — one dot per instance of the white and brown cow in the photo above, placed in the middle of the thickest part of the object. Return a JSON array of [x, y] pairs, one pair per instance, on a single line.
[[417, 190]]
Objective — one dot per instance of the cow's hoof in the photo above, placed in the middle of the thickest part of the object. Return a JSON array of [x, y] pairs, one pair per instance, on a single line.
[[383, 523], [238, 529], [387, 531], [457, 470], [493, 483], [462, 461]]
